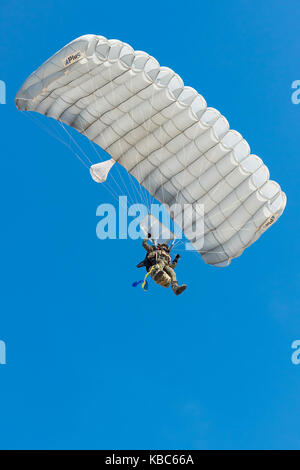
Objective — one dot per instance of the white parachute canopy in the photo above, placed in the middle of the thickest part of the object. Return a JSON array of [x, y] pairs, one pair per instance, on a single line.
[[163, 134]]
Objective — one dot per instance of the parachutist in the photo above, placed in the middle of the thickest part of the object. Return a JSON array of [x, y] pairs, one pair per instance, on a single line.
[[160, 267]]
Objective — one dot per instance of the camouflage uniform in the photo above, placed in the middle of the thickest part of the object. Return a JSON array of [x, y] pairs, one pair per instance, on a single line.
[[163, 268]]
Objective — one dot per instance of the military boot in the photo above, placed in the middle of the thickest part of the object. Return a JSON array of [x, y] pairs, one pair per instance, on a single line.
[[178, 289]]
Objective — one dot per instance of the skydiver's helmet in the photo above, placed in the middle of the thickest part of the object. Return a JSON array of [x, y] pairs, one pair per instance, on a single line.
[[164, 246]]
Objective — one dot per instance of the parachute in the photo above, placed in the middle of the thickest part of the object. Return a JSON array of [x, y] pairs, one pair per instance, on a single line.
[[164, 135]]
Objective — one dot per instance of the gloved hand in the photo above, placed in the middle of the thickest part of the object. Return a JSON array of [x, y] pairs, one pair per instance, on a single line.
[[149, 235], [177, 257]]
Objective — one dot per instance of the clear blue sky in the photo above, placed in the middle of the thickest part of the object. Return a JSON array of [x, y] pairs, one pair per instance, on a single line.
[[92, 362]]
